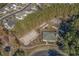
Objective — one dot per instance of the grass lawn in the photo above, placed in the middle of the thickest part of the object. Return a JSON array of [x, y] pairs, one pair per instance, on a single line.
[[40, 16]]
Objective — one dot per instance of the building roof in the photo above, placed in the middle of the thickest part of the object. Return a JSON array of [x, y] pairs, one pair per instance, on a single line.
[[9, 24], [28, 38], [49, 36], [56, 21]]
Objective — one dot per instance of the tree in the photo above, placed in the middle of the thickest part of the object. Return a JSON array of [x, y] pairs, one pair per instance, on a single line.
[[72, 39], [19, 53]]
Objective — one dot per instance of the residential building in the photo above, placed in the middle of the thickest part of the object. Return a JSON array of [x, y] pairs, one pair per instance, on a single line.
[[9, 24]]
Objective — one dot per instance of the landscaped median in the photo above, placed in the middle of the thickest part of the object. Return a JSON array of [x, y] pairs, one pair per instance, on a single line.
[[2, 5]]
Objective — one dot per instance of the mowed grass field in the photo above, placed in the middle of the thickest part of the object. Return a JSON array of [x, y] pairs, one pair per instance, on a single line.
[[45, 14]]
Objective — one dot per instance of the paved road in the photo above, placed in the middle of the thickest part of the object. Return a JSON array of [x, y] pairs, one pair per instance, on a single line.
[[45, 53], [15, 12], [41, 53]]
